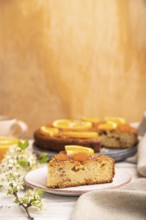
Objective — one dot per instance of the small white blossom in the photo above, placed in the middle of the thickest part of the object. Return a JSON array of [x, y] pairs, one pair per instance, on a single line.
[[16, 163]]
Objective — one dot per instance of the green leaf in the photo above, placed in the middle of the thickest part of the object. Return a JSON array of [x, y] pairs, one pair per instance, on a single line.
[[22, 163], [40, 192], [23, 144], [43, 158], [42, 155]]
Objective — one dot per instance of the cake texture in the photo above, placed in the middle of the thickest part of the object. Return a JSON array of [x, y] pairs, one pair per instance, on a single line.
[[110, 133], [79, 169], [123, 137]]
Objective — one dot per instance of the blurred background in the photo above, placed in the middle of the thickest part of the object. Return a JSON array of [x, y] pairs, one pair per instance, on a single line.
[[68, 59]]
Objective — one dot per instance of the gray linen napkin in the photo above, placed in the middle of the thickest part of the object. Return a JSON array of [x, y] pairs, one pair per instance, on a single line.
[[127, 203], [142, 126], [141, 160], [139, 157], [141, 154]]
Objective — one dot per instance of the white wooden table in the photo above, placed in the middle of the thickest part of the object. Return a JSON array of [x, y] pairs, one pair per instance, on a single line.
[[55, 207]]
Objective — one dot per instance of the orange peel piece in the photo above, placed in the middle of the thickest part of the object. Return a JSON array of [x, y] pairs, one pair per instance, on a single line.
[[108, 126], [92, 120], [74, 134], [75, 149], [49, 131], [117, 120]]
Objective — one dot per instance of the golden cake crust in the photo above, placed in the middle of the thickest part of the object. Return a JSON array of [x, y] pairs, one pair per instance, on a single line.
[[57, 143]]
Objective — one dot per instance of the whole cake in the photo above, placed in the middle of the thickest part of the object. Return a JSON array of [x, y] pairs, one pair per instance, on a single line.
[[89, 132], [75, 168]]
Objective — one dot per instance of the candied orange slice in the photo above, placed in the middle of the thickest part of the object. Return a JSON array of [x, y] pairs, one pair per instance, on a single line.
[[61, 157], [49, 131], [75, 149], [5, 143], [116, 120], [107, 126], [80, 157], [72, 124], [83, 134]]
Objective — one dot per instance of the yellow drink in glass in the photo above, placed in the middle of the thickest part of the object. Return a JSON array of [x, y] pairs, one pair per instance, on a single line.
[[5, 143]]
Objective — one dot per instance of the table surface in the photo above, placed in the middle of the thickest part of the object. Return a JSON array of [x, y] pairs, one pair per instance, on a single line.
[[55, 207]]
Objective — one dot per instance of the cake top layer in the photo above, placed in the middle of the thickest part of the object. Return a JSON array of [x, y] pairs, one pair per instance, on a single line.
[[81, 157], [75, 153], [88, 128]]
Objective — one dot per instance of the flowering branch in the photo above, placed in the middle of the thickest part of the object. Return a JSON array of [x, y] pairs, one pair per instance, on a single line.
[[16, 163]]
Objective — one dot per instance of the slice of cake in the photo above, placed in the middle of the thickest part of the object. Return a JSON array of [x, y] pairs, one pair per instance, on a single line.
[[79, 166]]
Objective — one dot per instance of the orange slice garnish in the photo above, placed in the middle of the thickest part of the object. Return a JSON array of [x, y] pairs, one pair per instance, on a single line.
[[62, 123], [72, 124], [49, 131], [75, 149], [116, 120], [108, 126], [74, 134], [92, 120], [5, 143]]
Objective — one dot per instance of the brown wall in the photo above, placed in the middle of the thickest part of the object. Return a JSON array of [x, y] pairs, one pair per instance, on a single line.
[[66, 59]]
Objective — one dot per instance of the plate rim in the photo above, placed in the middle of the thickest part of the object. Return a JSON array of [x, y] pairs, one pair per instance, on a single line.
[[70, 192]]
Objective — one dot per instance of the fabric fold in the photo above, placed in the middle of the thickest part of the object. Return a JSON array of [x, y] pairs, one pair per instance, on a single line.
[[141, 161], [142, 126], [125, 203]]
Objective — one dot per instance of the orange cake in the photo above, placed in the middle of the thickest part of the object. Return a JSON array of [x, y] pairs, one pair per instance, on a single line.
[[74, 168], [124, 136], [110, 132]]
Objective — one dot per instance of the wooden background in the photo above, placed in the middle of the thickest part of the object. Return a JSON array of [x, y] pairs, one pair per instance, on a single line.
[[68, 59]]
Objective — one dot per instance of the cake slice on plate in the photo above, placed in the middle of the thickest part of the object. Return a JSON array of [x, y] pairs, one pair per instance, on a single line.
[[79, 166]]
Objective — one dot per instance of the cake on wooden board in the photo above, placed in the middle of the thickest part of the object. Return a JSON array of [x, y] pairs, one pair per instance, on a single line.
[[89, 132], [80, 167]]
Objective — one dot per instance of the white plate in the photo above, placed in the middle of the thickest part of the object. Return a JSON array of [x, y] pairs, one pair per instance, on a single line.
[[38, 179]]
